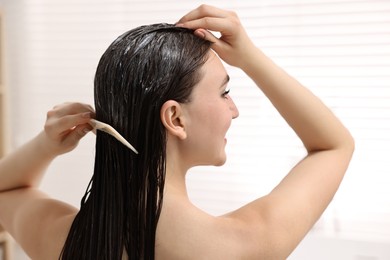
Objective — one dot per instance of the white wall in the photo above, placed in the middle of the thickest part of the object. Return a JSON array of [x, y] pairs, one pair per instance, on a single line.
[[339, 49]]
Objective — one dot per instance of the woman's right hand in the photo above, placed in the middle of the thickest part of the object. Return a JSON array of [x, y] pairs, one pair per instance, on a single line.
[[65, 125], [233, 46]]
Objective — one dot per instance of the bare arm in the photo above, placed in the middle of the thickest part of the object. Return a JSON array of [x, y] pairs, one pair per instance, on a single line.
[[25, 212], [26, 166], [283, 217]]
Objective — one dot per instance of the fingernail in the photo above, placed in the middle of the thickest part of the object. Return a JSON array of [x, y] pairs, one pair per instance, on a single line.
[[179, 25], [200, 34]]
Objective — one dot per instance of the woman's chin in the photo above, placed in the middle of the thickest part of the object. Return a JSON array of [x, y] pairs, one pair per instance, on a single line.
[[220, 161]]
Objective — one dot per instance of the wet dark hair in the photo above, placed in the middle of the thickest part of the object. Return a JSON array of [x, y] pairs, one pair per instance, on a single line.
[[137, 74]]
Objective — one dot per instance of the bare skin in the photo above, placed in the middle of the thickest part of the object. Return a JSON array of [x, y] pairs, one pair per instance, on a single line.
[[267, 228]]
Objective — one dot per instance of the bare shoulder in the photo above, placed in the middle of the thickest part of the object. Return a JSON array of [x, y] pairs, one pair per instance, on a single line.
[[38, 223], [186, 232]]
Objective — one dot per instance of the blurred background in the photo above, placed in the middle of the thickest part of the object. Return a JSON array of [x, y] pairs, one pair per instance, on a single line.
[[340, 49]]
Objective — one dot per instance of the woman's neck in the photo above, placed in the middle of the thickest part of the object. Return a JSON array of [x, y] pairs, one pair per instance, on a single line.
[[175, 181]]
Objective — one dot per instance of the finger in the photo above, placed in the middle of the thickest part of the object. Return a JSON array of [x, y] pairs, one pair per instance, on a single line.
[[204, 34], [60, 126], [221, 25], [74, 136], [218, 45], [71, 121], [70, 109], [203, 11]]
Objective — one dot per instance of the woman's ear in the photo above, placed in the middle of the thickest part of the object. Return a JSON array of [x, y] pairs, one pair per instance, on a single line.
[[172, 117]]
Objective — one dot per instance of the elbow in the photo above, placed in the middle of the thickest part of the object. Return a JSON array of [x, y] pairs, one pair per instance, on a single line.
[[350, 143], [342, 142], [346, 148]]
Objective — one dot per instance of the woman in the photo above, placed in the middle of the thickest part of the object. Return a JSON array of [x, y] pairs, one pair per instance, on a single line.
[[165, 90]]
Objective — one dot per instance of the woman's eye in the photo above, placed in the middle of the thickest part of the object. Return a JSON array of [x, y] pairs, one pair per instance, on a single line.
[[225, 93]]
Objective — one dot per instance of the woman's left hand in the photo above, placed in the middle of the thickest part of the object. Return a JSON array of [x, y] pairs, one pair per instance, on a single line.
[[233, 46]]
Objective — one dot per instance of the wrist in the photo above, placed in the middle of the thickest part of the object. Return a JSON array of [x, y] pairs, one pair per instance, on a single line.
[[254, 61], [44, 147]]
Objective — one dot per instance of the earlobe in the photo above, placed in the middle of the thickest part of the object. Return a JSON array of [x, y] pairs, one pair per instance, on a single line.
[[173, 119]]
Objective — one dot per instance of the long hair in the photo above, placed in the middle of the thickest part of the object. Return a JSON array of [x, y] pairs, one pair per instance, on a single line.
[[137, 74]]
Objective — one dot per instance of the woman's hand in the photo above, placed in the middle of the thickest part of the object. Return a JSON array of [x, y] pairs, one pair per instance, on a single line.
[[233, 46], [65, 125]]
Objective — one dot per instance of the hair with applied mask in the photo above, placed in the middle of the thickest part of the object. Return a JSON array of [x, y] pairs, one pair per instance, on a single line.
[[137, 74]]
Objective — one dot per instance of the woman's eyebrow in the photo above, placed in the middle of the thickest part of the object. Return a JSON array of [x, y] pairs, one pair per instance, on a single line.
[[225, 80]]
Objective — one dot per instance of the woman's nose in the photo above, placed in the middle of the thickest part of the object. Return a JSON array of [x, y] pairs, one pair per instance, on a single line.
[[233, 108]]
